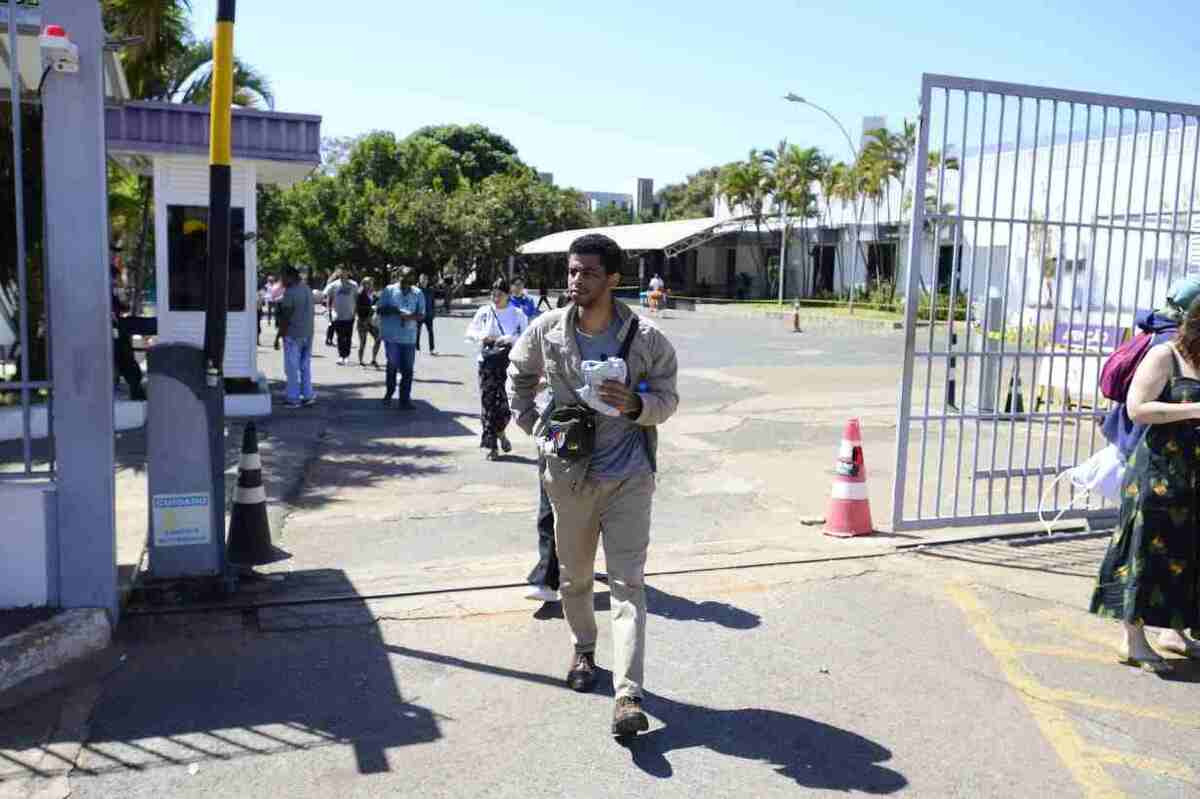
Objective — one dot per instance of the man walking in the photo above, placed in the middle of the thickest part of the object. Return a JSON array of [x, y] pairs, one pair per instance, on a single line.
[[522, 300], [401, 308], [340, 297], [430, 312], [296, 312], [607, 493]]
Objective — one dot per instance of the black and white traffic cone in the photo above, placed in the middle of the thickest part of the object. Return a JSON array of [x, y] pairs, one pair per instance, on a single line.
[[249, 528], [1014, 403]]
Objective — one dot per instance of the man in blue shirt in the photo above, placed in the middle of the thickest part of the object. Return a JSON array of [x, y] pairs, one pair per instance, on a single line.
[[401, 308], [521, 300]]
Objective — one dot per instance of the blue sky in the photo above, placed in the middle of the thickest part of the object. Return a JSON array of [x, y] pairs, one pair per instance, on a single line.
[[601, 93]]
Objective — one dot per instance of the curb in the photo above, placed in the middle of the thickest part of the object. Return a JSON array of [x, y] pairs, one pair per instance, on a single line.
[[806, 319], [52, 644]]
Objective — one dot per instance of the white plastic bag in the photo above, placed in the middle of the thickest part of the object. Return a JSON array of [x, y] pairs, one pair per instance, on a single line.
[[595, 373], [1100, 474]]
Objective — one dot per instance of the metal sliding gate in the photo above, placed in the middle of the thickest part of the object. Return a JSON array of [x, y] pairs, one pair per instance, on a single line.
[[1044, 223]]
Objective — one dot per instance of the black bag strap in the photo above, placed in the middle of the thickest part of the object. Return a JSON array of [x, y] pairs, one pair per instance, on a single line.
[[627, 344], [496, 316]]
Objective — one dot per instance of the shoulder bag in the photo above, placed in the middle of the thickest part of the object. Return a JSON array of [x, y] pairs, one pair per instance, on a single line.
[[570, 431], [495, 356]]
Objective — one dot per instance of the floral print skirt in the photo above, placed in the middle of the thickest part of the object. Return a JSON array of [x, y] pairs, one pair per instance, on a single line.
[[1149, 575], [495, 414]]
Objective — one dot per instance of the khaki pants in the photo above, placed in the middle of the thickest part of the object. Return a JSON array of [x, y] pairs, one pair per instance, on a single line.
[[617, 512]]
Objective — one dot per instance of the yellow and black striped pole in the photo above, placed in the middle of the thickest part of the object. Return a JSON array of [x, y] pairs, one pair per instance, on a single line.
[[220, 157]]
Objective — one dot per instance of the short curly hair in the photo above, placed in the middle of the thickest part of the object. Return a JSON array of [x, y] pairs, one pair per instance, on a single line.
[[609, 251]]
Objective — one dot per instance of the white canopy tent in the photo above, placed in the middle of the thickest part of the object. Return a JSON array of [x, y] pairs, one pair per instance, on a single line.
[[670, 237]]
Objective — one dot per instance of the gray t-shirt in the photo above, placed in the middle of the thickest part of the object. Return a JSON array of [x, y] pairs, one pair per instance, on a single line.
[[343, 296], [297, 308], [620, 444]]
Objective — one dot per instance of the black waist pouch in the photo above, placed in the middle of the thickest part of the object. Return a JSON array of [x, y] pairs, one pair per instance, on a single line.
[[570, 432]]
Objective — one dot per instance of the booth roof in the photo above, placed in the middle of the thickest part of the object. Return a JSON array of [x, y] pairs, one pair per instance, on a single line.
[[287, 145]]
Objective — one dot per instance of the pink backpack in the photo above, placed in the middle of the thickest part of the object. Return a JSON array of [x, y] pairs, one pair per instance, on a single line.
[[1118, 370]]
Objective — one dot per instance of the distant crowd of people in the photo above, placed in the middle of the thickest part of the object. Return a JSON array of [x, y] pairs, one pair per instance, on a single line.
[[390, 319]]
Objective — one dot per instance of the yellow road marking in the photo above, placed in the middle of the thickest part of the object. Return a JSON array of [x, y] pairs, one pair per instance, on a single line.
[[1141, 711], [1053, 722], [1163, 768], [1067, 653]]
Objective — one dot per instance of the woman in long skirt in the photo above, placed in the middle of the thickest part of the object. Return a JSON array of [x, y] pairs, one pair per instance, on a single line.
[[1151, 573], [495, 327]]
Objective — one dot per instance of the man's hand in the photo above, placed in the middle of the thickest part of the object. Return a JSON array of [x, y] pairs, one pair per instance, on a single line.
[[621, 397]]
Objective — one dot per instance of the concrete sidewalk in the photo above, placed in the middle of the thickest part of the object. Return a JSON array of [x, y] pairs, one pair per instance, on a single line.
[[897, 675]]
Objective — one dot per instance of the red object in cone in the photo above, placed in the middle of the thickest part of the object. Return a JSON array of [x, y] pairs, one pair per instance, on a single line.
[[849, 509]]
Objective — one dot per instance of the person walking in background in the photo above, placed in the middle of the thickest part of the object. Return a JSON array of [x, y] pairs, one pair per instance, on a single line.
[[544, 575], [124, 358], [269, 287], [296, 321], [607, 492], [655, 296], [401, 307], [365, 313], [544, 297], [522, 300], [430, 312], [1150, 576], [341, 298], [495, 328], [274, 298]]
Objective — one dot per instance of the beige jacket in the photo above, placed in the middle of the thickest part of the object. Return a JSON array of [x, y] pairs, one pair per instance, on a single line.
[[549, 347]]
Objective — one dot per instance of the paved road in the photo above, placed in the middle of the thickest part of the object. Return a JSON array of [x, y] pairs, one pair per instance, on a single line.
[[963, 670]]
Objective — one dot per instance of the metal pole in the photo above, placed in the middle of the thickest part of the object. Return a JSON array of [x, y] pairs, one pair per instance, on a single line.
[[783, 251], [220, 156], [14, 73]]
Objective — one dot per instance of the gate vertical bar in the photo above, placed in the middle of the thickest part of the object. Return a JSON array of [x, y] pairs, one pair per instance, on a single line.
[[18, 145], [916, 240]]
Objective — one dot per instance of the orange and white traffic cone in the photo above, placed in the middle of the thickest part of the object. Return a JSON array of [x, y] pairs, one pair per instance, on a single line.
[[849, 509]]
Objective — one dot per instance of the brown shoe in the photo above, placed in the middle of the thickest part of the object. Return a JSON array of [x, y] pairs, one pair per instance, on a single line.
[[582, 675], [628, 718]]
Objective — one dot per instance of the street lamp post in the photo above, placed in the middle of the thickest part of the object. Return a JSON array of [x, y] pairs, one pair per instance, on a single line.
[[792, 97]]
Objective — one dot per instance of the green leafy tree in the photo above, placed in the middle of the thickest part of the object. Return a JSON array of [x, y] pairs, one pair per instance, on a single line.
[[482, 153], [611, 214], [692, 199]]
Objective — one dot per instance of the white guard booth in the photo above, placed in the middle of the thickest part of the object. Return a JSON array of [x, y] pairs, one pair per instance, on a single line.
[[170, 142]]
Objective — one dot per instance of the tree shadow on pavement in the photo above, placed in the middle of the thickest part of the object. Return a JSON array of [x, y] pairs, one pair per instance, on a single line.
[[218, 687], [811, 753]]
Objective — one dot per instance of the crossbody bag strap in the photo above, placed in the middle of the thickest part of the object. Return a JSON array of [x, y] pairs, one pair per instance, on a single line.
[[496, 316], [627, 344]]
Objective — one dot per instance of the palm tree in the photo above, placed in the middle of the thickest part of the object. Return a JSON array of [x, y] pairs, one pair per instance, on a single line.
[[748, 184], [794, 171], [190, 79], [162, 33]]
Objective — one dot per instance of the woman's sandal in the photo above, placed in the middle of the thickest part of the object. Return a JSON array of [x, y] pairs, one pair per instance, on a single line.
[[1190, 649]]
